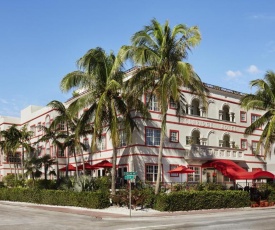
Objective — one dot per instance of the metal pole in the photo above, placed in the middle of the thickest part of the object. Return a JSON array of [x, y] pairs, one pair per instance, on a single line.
[[130, 198]]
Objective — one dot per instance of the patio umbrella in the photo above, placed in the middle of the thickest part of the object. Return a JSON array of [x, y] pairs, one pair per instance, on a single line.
[[87, 166], [181, 169], [70, 168], [103, 164]]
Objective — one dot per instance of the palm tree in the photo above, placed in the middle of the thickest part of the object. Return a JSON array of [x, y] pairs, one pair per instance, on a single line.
[[33, 166], [57, 139], [108, 107], [47, 162], [263, 99], [159, 50], [10, 144], [65, 117], [25, 144], [73, 141]]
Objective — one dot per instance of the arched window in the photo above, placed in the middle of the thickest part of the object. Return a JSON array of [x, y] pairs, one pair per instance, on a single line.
[[47, 121], [226, 141], [196, 137], [225, 113], [195, 110]]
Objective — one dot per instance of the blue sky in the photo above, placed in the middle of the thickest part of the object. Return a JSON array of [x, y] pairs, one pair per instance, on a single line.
[[41, 41]]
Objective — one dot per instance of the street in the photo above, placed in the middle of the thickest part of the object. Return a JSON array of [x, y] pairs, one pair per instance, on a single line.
[[22, 216]]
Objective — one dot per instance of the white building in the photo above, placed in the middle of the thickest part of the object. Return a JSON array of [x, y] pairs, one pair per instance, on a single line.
[[201, 136]]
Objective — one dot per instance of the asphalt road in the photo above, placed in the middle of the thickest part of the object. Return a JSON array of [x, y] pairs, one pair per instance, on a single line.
[[21, 216]]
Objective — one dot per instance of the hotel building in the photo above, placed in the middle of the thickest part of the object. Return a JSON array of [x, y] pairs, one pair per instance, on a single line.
[[203, 135]]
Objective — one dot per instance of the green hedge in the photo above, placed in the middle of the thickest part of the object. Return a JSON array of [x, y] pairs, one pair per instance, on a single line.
[[97, 200], [196, 200]]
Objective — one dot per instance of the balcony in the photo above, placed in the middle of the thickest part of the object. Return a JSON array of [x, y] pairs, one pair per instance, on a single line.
[[210, 152]]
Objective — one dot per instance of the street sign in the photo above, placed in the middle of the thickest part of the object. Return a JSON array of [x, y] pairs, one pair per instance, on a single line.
[[130, 173], [129, 177]]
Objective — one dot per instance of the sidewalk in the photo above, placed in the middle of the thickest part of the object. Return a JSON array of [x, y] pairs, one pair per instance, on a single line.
[[117, 212]]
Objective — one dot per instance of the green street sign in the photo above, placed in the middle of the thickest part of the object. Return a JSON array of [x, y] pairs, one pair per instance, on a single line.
[[129, 177], [130, 173]]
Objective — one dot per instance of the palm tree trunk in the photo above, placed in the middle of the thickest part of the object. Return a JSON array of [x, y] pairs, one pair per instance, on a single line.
[[162, 135], [45, 172], [68, 162], [57, 165], [113, 188], [83, 161], [22, 163], [68, 157], [76, 165], [159, 163]]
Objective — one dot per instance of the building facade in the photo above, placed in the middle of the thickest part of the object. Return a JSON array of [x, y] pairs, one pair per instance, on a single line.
[[203, 134]]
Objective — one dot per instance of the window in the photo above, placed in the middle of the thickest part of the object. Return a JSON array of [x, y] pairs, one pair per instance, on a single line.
[[195, 137], [195, 110], [195, 176], [173, 105], [226, 179], [122, 139], [226, 141], [87, 145], [47, 121], [14, 158], [152, 102], [243, 116], [152, 137], [174, 136], [254, 147], [33, 130], [38, 127], [225, 113], [48, 148], [62, 126], [39, 151], [243, 144], [188, 140], [254, 117], [151, 173], [101, 143], [70, 151], [174, 174], [60, 152]]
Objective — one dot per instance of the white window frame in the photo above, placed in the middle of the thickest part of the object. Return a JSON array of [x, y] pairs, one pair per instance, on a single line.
[[122, 138], [152, 136], [151, 172], [195, 176], [101, 144], [152, 102], [174, 136]]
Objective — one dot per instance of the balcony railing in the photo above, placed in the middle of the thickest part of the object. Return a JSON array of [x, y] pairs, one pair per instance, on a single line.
[[210, 152]]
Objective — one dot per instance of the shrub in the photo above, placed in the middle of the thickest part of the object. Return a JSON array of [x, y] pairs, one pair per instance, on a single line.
[[195, 200], [96, 200]]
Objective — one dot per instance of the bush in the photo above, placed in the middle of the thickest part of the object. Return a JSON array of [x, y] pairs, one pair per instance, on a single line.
[[96, 200], [195, 200], [139, 197], [40, 184]]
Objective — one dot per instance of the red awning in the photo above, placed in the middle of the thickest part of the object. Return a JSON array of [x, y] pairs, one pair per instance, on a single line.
[[70, 168], [181, 169], [87, 166], [103, 164], [234, 171]]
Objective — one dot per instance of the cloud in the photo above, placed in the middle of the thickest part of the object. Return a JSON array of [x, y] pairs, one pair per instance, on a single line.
[[252, 69], [233, 74], [3, 101], [263, 17]]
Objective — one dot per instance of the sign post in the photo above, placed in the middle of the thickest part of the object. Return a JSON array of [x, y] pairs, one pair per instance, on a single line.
[[129, 176]]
